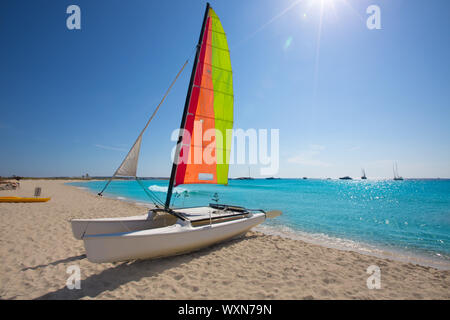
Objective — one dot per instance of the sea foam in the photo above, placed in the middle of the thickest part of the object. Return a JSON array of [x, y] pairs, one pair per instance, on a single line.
[[156, 188]]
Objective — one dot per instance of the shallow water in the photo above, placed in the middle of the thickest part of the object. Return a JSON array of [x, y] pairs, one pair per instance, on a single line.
[[410, 216]]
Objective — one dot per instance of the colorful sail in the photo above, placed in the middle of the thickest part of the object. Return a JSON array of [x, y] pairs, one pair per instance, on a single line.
[[206, 141]]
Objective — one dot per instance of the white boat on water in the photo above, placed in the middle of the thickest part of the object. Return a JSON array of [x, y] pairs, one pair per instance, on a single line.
[[363, 177], [397, 177], [166, 231]]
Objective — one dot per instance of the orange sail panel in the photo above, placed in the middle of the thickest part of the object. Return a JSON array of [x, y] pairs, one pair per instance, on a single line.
[[206, 143]]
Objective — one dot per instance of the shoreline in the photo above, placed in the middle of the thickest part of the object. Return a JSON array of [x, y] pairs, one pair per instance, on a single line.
[[322, 240], [37, 247], [354, 246]]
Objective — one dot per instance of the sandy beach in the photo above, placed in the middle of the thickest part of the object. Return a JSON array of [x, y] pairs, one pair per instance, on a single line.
[[37, 247]]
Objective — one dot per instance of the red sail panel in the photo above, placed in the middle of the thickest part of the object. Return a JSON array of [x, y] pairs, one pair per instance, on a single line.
[[185, 154]]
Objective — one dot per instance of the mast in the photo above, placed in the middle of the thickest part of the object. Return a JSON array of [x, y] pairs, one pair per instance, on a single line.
[[186, 107]]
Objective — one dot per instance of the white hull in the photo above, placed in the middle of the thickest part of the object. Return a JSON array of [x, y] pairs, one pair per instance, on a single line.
[[87, 227], [150, 242]]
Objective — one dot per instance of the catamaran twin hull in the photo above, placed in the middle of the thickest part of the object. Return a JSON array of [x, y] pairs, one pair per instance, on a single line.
[[159, 234]]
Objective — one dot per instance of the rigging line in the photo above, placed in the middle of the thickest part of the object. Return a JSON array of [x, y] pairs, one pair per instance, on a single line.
[[148, 191], [156, 201], [148, 122], [155, 196], [165, 95]]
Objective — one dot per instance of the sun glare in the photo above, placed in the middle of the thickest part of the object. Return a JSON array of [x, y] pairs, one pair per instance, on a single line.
[[322, 4]]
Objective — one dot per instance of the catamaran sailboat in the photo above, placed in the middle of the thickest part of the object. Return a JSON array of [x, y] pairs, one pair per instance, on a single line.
[[166, 231]]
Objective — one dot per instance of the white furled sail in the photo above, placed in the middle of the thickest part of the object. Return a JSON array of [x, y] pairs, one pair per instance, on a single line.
[[128, 167]]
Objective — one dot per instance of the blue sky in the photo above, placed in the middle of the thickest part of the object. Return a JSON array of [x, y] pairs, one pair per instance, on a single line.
[[73, 101]]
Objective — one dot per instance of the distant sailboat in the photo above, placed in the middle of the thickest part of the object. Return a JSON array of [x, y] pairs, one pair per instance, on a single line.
[[363, 175], [166, 230], [396, 175]]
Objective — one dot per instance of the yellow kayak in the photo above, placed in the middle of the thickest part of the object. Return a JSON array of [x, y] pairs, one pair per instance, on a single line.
[[23, 199]]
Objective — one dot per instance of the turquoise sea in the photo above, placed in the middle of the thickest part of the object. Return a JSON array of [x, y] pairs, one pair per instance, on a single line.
[[408, 219]]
